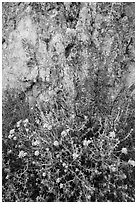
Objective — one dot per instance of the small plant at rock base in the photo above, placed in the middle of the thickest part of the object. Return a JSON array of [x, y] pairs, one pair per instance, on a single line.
[[65, 164]]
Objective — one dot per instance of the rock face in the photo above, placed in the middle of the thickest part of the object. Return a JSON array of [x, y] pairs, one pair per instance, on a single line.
[[15, 67], [69, 54]]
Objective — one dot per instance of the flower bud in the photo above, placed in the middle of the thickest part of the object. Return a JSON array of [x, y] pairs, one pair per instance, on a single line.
[[56, 143], [36, 153], [131, 162], [124, 150]]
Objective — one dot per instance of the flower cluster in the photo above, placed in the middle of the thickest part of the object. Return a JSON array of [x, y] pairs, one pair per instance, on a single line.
[[68, 162], [22, 154]]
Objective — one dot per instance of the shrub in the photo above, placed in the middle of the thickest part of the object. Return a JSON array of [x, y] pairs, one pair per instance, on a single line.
[[87, 163]]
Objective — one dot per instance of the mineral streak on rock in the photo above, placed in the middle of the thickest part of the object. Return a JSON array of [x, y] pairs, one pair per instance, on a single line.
[[71, 47]]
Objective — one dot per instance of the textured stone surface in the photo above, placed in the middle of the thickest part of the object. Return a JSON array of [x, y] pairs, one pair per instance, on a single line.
[[69, 47]]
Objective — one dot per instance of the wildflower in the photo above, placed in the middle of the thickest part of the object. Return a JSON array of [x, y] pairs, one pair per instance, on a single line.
[[18, 123], [33, 143], [10, 136], [123, 176], [7, 177], [58, 180], [64, 164], [61, 185], [112, 134], [25, 125], [45, 125], [26, 120], [73, 116], [85, 117], [27, 129], [96, 171], [36, 143], [131, 162], [12, 131], [25, 154], [50, 127], [37, 121], [86, 142], [113, 168], [44, 174], [47, 149], [22, 154], [56, 143], [64, 133], [118, 162], [9, 152], [7, 170], [75, 155], [14, 138], [89, 196], [36, 153], [124, 150], [71, 142], [57, 155]]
